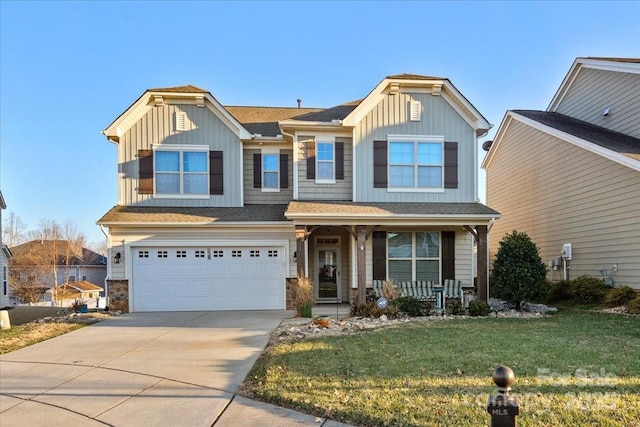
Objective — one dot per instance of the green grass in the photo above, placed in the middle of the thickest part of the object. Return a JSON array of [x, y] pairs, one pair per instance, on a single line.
[[572, 369]]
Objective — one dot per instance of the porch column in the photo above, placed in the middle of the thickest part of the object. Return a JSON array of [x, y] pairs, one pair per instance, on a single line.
[[361, 239], [301, 235], [482, 262]]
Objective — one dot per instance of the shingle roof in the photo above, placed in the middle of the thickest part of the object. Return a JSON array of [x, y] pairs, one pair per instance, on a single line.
[[89, 257], [176, 215], [264, 120], [82, 285], [407, 76], [179, 89], [629, 60], [615, 141], [298, 207]]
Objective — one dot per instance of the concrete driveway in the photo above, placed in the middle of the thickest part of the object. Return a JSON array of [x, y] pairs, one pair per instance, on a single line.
[[142, 369]]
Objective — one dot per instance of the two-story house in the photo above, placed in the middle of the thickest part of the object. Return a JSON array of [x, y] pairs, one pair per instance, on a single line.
[[5, 256], [224, 207], [569, 176]]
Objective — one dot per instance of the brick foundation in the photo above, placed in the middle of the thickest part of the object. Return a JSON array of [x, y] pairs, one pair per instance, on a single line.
[[118, 298], [292, 286]]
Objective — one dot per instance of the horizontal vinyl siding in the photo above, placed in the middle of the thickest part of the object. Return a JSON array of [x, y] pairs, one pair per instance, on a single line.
[[595, 90], [341, 190], [156, 128], [559, 193], [390, 116], [256, 195], [463, 252]]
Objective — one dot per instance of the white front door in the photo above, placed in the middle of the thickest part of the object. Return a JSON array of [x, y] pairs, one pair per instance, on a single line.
[[327, 271]]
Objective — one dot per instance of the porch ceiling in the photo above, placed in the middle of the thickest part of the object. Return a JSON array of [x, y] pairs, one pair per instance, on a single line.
[[362, 213]]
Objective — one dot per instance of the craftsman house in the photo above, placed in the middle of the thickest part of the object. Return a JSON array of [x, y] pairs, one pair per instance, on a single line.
[[5, 256], [569, 176], [224, 207]]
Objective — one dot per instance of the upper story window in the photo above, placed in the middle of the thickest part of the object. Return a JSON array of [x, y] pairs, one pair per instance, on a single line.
[[415, 164], [325, 161], [270, 171], [181, 172]]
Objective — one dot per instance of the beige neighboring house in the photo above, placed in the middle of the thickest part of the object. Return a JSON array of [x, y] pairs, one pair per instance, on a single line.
[[225, 207], [83, 291], [5, 255], [569, 176]]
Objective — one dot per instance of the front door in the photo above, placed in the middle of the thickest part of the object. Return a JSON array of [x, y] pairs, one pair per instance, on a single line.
[[327, 273]]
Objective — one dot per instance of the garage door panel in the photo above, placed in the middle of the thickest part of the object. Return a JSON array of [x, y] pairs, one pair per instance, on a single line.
[[216, 278]]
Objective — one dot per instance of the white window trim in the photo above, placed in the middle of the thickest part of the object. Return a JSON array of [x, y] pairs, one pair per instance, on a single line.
[[181, 149], [415, 139], [270, 151], [326, 140], [415, 258]]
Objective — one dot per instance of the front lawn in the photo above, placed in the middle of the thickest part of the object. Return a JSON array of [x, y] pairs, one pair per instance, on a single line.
[[572, 369], [25, 335]]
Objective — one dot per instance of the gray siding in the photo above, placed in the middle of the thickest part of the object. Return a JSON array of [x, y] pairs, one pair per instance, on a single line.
[[463, 254], [341, 190], [156, 127], [560, 193], [595, 90], [438, 118], [256, 195]]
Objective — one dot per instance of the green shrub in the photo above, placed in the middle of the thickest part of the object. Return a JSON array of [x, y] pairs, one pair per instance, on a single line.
[[479, 308], [634, 306], [409, 305], [454, 307], [519, 275], [588, 290], [619, 296], [559, 291]]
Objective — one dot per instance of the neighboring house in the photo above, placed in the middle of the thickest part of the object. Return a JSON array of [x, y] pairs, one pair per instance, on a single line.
[[5, 256], [32, 266], [224, 207], [570, 175], [81, 291]]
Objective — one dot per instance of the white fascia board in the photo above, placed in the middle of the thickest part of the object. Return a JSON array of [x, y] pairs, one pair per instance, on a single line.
[[370, 101], [589, 146], [596, 64], [326, 219], [479, 122], [496, 140]]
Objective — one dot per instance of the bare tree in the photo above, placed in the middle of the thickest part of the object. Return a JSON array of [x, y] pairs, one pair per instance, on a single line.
[[14, 231]]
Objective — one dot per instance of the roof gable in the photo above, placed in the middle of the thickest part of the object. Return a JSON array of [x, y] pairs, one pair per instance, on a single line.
[[437, 86], [188, 94], [618, 65]]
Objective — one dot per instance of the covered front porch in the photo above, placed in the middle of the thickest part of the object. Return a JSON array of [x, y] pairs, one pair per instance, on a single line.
[[343, 246]]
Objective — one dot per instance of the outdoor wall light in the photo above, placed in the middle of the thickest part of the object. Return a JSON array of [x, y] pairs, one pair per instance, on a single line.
[[116, 259]]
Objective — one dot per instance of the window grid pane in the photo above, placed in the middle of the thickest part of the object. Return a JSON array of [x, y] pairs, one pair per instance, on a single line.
[[430, 176], [270, 169], [429, 153], [401, 153], [167, 161], [195, 183], [401, 176], [168, 183], [325, 170], [195, 161]]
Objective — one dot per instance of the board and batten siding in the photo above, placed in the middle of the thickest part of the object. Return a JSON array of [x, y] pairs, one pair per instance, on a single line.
[[439, 118], [559, 193], [342, 189], [157, 128], [595, 90], [255, 196]]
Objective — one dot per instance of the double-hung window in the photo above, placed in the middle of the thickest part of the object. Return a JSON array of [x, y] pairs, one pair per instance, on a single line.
[[325, 158], [413, 256], [270, 171], [416, 162], [182, 171]]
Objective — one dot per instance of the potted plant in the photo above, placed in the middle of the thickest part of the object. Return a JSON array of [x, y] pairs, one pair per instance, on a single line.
[[304, 297]]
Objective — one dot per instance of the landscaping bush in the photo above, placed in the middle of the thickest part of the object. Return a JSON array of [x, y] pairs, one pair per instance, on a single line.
[[454, 307], [519, 275], [409, 305], [588, 290], [371, 309], [479, 308], [634, 306], [622, 295], [559, 291]]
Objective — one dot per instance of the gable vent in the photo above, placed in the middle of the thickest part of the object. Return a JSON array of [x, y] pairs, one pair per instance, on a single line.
[[181, 121], [415, 111]]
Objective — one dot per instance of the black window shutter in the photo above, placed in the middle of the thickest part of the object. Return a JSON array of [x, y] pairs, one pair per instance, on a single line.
[[216, 173], [311, 160], [448, 255], [145, 171], [284, 170], [379, 164], [257, 170], [379, 251], [450, 165], [339, 160]]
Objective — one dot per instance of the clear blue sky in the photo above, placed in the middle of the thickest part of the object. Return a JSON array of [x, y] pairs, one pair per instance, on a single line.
[[68, 69]]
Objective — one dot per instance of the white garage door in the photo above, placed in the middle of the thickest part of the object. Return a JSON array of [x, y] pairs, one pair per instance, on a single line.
[[208, 278]]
